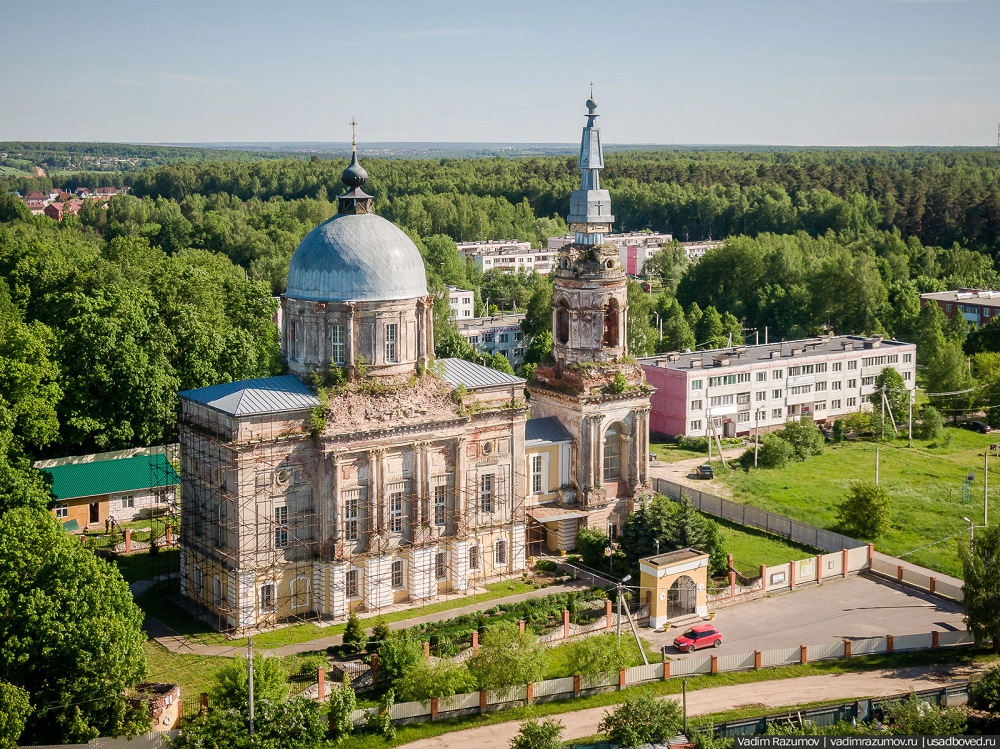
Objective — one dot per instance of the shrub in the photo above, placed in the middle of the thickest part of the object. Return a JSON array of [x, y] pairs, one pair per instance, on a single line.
[[694, 444], [592, 542], [380, 722], [342, 703], [838, 430], [866, 510], [597, 655], [860, 422], [932, 423], [546, 565], [231, 688], [985, 693], [507, 657], [804, 437], [774, 452], [642, 719], [396, 657], [546, 734], [355, 638], [914, 717], [442, 679]]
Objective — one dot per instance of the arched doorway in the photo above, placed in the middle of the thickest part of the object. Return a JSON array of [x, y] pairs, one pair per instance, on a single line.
[[614, 439], [562, 322], [682, 597]]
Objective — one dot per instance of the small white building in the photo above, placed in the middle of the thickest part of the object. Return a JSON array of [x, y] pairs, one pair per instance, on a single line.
[[462, 302]]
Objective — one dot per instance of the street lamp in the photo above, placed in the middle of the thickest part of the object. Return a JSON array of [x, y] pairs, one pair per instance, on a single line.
[[657, 541], [971, 528], [621, 588]]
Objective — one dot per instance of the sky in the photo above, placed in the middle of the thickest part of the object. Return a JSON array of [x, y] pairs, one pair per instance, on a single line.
[[802, 72]]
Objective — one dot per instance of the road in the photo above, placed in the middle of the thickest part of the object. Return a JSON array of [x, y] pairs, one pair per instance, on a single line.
[[771, 694], [855, 607]]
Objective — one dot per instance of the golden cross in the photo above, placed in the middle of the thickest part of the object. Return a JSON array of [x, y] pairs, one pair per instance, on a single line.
[[352, 123]]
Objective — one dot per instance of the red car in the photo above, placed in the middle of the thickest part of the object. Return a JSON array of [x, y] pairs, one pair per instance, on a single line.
[[701, 636]]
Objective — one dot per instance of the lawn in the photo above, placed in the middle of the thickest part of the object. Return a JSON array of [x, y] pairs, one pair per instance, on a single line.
[[146, 566], [752, 548], [154, 603], [668, 452], [557, 665], [924, 483]]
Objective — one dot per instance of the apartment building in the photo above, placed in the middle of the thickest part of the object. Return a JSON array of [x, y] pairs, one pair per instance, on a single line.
[[462, 302], [749, 387], [499, 333], [507, 256], [978, 306]]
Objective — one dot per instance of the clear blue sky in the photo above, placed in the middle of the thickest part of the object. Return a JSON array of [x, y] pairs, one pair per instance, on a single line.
[[802, 72]]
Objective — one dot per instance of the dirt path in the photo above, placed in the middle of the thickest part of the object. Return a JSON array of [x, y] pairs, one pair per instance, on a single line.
[[682, 471], [772, 694]]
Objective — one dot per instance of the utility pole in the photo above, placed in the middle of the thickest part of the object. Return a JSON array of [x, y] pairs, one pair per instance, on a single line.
[[876, 465], [765, 335], [709, 435], [250, 678], [909, 435], [619, 614], [986, 488], [756, 437], [684, 703]]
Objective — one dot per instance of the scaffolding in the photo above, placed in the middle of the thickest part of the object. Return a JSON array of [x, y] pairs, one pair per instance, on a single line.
[[271, 532]]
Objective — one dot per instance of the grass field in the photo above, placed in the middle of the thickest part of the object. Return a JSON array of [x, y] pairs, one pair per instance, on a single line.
[[752, 548], [667, 452], [924, 483]]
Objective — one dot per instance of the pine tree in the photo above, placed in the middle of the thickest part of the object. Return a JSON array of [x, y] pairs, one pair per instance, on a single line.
[[354, 634]]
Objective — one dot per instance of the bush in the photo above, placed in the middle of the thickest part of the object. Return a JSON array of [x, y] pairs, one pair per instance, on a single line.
[[985, 693], [597, 655], [838, 430], [932, 423], [642, 719], [342, 703], [694, 444], [380, 633], [231, 688], [396, 657], [591, 542], [773, 452], [804, 436], [866, 510], [914, 717], [355, 638], [546, 565], [380, 722], [538, 735], [860, 422], [441, 679], [507, 657]]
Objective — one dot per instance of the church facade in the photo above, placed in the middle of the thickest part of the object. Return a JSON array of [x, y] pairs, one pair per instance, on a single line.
[[408, 478]]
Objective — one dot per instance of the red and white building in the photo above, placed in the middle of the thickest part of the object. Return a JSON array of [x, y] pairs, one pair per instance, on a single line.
[[761, 387], [978, 306]]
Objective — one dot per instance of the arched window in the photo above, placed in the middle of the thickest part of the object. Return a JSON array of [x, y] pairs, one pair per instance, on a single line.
[[611, 324], [613, 439], [562, 322]]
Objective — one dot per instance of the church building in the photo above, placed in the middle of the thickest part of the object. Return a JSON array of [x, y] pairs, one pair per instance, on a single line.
[[407, 478]]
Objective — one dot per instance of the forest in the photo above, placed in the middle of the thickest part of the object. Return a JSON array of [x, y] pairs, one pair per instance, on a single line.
[[108, 314]]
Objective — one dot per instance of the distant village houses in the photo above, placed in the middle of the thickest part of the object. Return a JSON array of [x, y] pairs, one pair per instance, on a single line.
[[56, 203]]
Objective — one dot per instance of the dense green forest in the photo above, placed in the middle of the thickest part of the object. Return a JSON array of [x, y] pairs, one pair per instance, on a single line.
[[107, 315]]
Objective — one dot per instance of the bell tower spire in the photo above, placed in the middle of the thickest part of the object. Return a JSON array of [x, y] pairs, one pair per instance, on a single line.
[[354, 176], [590, 216]]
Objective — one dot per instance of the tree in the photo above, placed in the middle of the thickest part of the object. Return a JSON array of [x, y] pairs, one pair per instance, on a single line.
[[804, 436], [897, 395], [773, 452], [642, 339], [914, 717], [667, 265], [63, 610], [866, 510], [677, 335], [288, 724], [709, 331], [355, 637], [948, 372], [597, 655], [538, 314], [540, 348], [986, 338], [534, 734], [396, 657], [341, 705], [231, 688], [677, 525], [15, 707], [642, 719], [985, 693], [981, 572], [380, 722], [507, 657], [499, 362], [591, 543], [931, 424], [442, 679], [452, 345]]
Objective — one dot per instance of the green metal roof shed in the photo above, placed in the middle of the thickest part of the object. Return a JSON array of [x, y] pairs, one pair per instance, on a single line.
[[111, 476]]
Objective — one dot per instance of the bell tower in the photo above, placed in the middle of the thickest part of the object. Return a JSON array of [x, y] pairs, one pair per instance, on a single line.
[[590, 383]]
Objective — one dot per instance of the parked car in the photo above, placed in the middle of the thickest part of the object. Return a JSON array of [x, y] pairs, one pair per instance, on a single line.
[[700, 636], [706, 471], [978, 426]]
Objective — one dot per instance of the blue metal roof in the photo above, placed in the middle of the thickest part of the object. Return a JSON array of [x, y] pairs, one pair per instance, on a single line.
[[248, 397], [545, 431], [460, 372]]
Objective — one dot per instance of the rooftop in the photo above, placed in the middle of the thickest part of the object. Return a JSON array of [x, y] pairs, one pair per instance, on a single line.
[[674, 557], [111, 476], [512, 319], [765, 352], [981, 297], [248, 397], [460, 372], [545, 431]]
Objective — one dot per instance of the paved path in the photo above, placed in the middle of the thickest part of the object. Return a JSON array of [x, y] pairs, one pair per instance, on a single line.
[[177, 643], [855, 607], [771, 694]]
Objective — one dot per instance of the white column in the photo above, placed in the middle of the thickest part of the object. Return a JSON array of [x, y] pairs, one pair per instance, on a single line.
[[460, 564], [378, 582], [421, 577]]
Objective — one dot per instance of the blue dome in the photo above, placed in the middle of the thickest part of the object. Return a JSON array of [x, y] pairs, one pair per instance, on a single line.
[[356, 257]]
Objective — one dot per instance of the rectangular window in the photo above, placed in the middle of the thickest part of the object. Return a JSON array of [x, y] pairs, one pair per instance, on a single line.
[[62, 511], [351, 583], [486, 493], [835, 404], [837, 366], [696, 425], [762, 377], [819, 406], [128, 501], [777, 374], [536, 474], [721, 400], [743, 397], [743, 377], [351, 505], [906, 375], [820, 387], [489, 337], [440, 500], [280, 527], [696, 384], [907, 358], [473, 557], [216, 591], [519, 336], [743, 417], [396, 512], [851, 384], [874, 361], [397, 574], [800, 389], [835, 385], [852, 364], [198, 581], [851, 402], [390, 342], [505, 338], [500, 553], [775, 413], [868, 380], [725, 380], [894, 358], [441, 565], [696, 405], [775, 393], [337, 344], [820, 368], [762, 396], [794, 371], [267, 597]]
